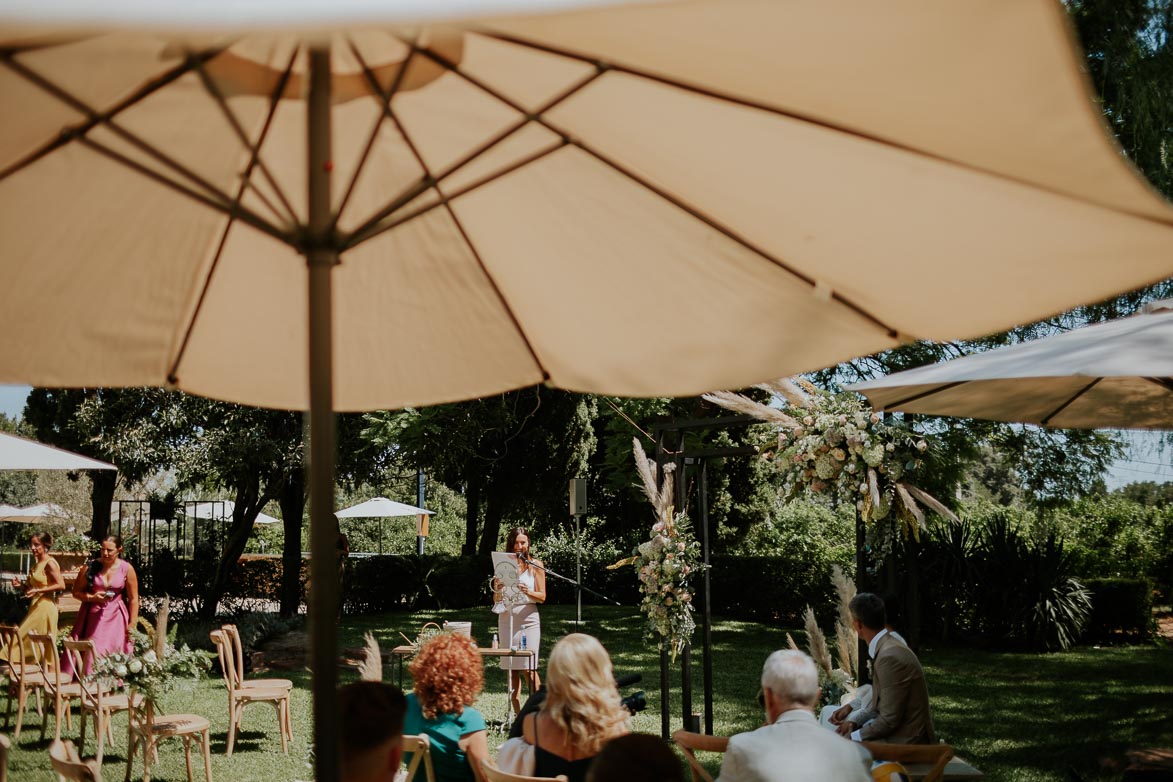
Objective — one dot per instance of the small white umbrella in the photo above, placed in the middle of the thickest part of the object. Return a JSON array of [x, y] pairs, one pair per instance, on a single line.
[[221, 510], [33, 513], [18, 453], [1116, 375], [381, 507]]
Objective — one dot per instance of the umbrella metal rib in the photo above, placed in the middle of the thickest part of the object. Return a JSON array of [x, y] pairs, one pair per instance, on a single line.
[[661, 193]]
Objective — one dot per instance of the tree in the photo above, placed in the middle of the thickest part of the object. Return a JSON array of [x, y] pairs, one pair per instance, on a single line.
[[126, 426], [536, 437], [17, 487]]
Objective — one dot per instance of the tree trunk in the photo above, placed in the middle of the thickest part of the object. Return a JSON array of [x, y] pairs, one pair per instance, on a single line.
[[292, 500], [473, 516], [244, 515], [101, 496], [494, 512]]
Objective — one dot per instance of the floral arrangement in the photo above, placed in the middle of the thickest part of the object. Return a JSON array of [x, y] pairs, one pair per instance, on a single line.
[[835, 442], [665, 562], [155, 665]]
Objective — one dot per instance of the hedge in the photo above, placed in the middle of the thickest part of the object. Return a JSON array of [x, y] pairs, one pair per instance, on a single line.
[[1120, 606]]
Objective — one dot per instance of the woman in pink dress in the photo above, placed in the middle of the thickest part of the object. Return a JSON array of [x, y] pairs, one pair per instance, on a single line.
[[108, 591]]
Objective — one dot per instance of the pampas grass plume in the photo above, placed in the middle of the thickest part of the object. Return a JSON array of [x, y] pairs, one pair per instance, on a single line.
[[371, 667]]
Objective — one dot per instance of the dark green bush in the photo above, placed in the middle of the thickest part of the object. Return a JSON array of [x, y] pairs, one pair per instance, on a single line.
[[1120, 606]]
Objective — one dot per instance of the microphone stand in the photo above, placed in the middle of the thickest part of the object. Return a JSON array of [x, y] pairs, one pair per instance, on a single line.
[[576, 584]]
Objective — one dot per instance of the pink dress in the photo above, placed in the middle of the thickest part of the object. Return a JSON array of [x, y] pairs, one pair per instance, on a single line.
[[104, 623]]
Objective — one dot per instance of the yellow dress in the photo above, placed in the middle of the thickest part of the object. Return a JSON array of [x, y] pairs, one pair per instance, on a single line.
[[42, 615]]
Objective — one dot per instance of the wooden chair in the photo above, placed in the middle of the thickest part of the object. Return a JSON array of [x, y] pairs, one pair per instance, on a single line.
[[494, 774], [936, 756], [97, 697], [61, 691], [148, 730], [68, 766], [420, 748], [5, 745], [239, 697], [233, 635], [24, 677], [690, 742]]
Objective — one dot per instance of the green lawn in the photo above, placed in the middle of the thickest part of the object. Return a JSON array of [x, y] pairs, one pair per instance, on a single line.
[[1017, 717]]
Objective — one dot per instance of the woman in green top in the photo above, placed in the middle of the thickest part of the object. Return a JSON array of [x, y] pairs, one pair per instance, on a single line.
[[448, 676]]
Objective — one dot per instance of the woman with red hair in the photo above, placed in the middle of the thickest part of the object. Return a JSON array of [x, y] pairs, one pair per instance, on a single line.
[[448, 676]]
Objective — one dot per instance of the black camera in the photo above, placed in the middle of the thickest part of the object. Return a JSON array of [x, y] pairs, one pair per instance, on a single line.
[[635, 703]]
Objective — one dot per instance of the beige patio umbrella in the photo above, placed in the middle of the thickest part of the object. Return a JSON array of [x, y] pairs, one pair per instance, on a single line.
[[20, 453], [642, 199], [1114, 375]]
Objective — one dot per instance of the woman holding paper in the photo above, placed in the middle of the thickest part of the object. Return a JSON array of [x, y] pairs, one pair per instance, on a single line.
[[518, 618]]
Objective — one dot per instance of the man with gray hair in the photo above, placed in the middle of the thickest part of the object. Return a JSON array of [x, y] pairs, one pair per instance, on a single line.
[[792, 745]]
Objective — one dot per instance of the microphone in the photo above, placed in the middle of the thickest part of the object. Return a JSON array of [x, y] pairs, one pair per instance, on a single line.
[[628, 679]]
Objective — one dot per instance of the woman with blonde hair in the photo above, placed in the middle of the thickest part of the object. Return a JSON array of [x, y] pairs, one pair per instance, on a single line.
[[448, 675], [581, 713]]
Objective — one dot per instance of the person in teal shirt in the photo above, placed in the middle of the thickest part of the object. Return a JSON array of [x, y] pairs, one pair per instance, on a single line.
[[448, 676]]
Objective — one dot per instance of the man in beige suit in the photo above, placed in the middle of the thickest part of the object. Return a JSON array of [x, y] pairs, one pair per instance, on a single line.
[[899, 710]]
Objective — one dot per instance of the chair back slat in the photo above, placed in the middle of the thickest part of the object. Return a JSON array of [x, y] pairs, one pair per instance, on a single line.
[[10, 643], [420, 748], [227, 664], [68, 766], [45, 655], [690, 742], [81, 658], [237, 650]]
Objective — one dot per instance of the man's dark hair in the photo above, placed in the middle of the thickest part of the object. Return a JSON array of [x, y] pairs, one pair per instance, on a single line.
[[370, 713], [636, 757], [868, 608]]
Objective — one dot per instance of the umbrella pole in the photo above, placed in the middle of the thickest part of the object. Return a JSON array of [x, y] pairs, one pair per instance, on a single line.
[[321, 257]]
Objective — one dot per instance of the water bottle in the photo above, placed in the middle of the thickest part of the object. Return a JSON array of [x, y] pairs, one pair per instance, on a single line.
[[523, 642], [494, 640]]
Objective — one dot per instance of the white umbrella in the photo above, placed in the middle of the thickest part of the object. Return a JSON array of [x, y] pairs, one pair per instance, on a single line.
[[33, 513], [221, 510], [1116, 375], [380, 507], [642, 199], [18, 453]]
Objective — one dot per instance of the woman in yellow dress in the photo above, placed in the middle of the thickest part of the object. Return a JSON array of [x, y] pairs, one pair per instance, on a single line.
[[44, 582]]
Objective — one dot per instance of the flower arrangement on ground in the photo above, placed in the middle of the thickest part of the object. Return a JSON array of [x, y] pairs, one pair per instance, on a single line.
[[834, 682], [665, 562], [836, 442], [156, 665]]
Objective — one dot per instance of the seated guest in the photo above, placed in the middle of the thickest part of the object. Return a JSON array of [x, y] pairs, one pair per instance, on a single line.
[[448, 676], [792, 745], [636, 757], [899, 709], [581, 713], [371, 731]]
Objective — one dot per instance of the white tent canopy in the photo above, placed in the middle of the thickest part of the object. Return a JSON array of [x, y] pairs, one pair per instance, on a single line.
[[33, 513], [18, 453], [380, 507], [221, 510]]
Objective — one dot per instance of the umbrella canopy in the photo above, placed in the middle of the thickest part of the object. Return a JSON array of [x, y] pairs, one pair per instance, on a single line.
[[33, 513], [645, 199], [221, 510], [380, 507], [17, 453], [652, 198], [1115, 375]]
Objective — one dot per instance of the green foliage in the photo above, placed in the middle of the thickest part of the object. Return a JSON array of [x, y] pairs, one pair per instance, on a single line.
[[1120, 605], [1003, 586], [1117, 537]]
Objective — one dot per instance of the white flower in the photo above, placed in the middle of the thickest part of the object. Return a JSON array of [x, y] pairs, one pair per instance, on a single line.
[[658, 526], [135, 665], [921, 445], [808, 420], [120, 670]]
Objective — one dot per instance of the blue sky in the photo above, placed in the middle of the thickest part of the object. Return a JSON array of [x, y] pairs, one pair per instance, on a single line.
[[1143, 463]]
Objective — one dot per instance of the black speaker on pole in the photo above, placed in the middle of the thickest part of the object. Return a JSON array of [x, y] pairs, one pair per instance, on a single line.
[[578, 496]]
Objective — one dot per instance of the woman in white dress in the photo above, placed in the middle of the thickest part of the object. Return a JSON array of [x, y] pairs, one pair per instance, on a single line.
[[518, 616]]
